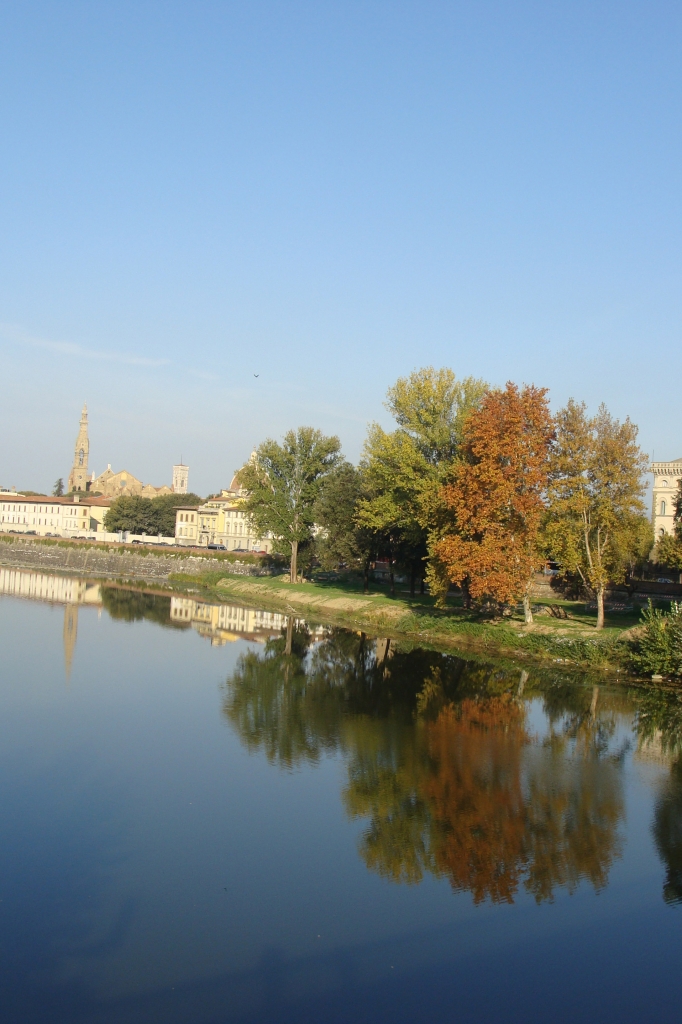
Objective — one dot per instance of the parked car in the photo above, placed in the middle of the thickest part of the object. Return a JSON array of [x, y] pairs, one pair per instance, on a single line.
[[216, 547], [664, 579]]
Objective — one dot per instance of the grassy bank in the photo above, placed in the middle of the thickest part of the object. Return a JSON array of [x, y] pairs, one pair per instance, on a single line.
[[568, 640]]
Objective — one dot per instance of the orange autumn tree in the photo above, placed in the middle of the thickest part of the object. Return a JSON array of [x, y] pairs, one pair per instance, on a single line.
[[496, 502]]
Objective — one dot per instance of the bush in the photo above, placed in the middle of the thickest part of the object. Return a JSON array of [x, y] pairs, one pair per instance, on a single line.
[[659, 649]]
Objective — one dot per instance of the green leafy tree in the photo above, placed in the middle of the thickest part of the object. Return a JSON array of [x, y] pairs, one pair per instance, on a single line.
[[668, 552], [342, 539], [407, 468], [152, 516], [58, 489], [283, 483], [658, 649], [594, 520]]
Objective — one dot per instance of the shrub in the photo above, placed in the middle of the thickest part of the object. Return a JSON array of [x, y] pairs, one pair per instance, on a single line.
[[659, 649]]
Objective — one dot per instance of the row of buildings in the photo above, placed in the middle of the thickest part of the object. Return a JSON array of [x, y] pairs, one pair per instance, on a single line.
[[218, 522]]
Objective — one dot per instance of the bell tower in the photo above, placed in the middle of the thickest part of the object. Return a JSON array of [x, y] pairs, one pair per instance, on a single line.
[[78, 477]]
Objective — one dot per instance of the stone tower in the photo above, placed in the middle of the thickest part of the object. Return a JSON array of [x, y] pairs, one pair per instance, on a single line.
[[180, 478], [78, 477]]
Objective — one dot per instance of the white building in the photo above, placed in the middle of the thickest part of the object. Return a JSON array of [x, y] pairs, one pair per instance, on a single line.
[[46, 516], [665, 491]]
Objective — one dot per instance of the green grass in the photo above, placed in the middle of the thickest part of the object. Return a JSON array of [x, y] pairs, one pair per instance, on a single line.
[[341, 601]]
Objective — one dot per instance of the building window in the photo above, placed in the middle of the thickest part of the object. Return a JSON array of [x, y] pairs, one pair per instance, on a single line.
[[662, 508]]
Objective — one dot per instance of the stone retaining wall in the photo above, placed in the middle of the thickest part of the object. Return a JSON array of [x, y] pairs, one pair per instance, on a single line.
[[89, 560]]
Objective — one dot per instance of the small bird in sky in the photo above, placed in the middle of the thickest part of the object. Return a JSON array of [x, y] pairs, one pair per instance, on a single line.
[[256, 374]]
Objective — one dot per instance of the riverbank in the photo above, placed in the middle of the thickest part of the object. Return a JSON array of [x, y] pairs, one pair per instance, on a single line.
[[570, 640], [114, 561]]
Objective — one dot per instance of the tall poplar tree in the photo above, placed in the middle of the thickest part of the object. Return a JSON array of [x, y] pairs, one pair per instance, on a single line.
[[405, 469], [595, 519], [283, 485]]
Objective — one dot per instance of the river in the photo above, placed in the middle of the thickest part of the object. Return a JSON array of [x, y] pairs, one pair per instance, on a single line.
[[212, 813]]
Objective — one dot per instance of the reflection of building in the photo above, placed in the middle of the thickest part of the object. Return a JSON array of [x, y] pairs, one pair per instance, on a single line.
[[69, 591], [224, 623], [653, 750], [666, 477], [219, 520], [40, 586]]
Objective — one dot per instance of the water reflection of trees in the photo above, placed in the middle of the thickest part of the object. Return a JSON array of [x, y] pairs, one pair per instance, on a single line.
[[442, 761], [135, 605]]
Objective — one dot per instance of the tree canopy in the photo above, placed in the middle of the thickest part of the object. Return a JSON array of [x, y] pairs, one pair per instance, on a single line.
[[596, 519], [406, 468], [283, 483], [490, 546], [147, 515]]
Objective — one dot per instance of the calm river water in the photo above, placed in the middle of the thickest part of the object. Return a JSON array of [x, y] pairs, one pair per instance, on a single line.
[[210, 814]]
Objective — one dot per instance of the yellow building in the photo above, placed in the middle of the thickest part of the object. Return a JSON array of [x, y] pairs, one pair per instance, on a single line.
[[666, 478], [220, 521]]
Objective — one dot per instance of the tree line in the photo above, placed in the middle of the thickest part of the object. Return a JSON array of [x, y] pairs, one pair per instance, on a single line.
[[152, 516], [475, 486]]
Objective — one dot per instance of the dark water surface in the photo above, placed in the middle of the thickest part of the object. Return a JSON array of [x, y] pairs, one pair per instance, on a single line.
[[199, 826]]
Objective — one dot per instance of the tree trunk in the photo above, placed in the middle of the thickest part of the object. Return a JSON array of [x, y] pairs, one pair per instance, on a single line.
[[527, 613], [413, 577], [293, 573], [421, 585], [365, 575], [392, 579], [466, 594], [522, 683], [600, 608], [290, 634]]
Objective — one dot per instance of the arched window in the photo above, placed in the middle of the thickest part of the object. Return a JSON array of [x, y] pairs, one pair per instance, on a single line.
[[81, 456], [662, 508]]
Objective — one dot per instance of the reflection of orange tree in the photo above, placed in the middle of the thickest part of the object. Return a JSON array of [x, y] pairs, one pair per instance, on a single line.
[[441, 761], [475, 796], [478, 802]]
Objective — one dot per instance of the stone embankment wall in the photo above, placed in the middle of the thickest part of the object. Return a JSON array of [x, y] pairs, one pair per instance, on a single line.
[[82, 559]]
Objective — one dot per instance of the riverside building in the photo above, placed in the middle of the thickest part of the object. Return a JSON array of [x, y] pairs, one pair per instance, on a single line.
[[665, 491], [76, 516], [219, 521]]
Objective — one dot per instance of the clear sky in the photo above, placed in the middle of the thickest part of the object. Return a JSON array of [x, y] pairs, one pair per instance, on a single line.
[[328, 195]]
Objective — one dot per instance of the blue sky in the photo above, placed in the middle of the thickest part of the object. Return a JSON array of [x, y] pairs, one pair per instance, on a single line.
[[328, 195]]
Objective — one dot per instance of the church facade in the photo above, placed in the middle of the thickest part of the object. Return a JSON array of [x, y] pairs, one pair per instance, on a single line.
[[115, 485]]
